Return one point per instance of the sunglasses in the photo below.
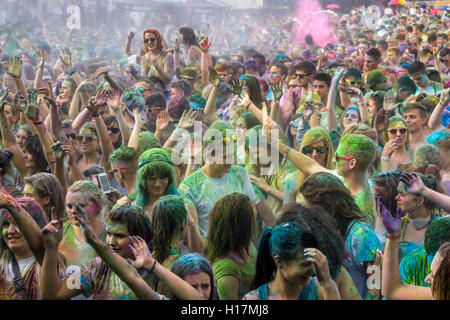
(394, 131)
(111, 172)
(354, 82)
(337, 157)
(141, 90)
(114, 130)
(293, 124)
(151, 40)
(301, 75)
(310, 150)
(88, 139)
(443, 60)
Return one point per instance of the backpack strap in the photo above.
(19, 284)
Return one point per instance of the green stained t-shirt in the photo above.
(244, 272)
(415, 267)
(366, 202)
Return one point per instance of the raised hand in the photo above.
(101, 71)
(391, 222)
(413, 183)
(131, 35)
(15, 67)
(66, 57)
(176, 44)
(137, 117)
(48, 95)
(69, 152)
(3, 96)
(143, 257)
(52, 233)
(277, 90)
(162, 121)
(57, 151)
(214, 78)
(7, 200)
(80, 215)
(205, 45)
(320, 262)
(389, 101)
(113, 100)
(259, 182)
(389, 148)
(32, 111)
(39, 54)
(93, 107)
(236, 87)
(187, 119)
(445, 97)
(101, 97)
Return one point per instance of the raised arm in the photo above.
(331, 115)
(113, 101)
(277, 90)
(392, 287)
(15, 71)
(134, 138)
(205, 61)
(28, 227)
(414, 185)
(80, 120)
(40, 70)
(127, 48)
(210, 108)
(106, 145)
(434, 123)
(8, 137)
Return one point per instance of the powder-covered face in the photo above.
(319, 152)
(350, 117)
(30, 192)
(298, 270)
(342, 165)
(66, 89)
(201, 282)
(117, 238)
(8, 111)
(90, 207)
(150, 41)
(89, 141)
(157, 186)
(406, 201)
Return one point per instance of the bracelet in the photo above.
(37, 123)
(385, 158)
(37, 120)
(151, 270)
(287, 153)
(390, 237)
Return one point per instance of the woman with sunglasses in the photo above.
(156, 62)
(317, 145)
(396, 149)
(112, 125)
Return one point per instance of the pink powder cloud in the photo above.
(317, 25)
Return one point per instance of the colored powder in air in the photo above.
(312, 22)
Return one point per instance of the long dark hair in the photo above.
(189, 36)
(324, 228)
(34, 147)
(327, 191)
(285, 241)
(231, 223)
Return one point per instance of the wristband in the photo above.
(37, 120)
(391, 237)
(385, 158)
(151, 270)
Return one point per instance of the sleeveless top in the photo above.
(309, 292)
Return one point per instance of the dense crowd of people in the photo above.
(229, 163)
